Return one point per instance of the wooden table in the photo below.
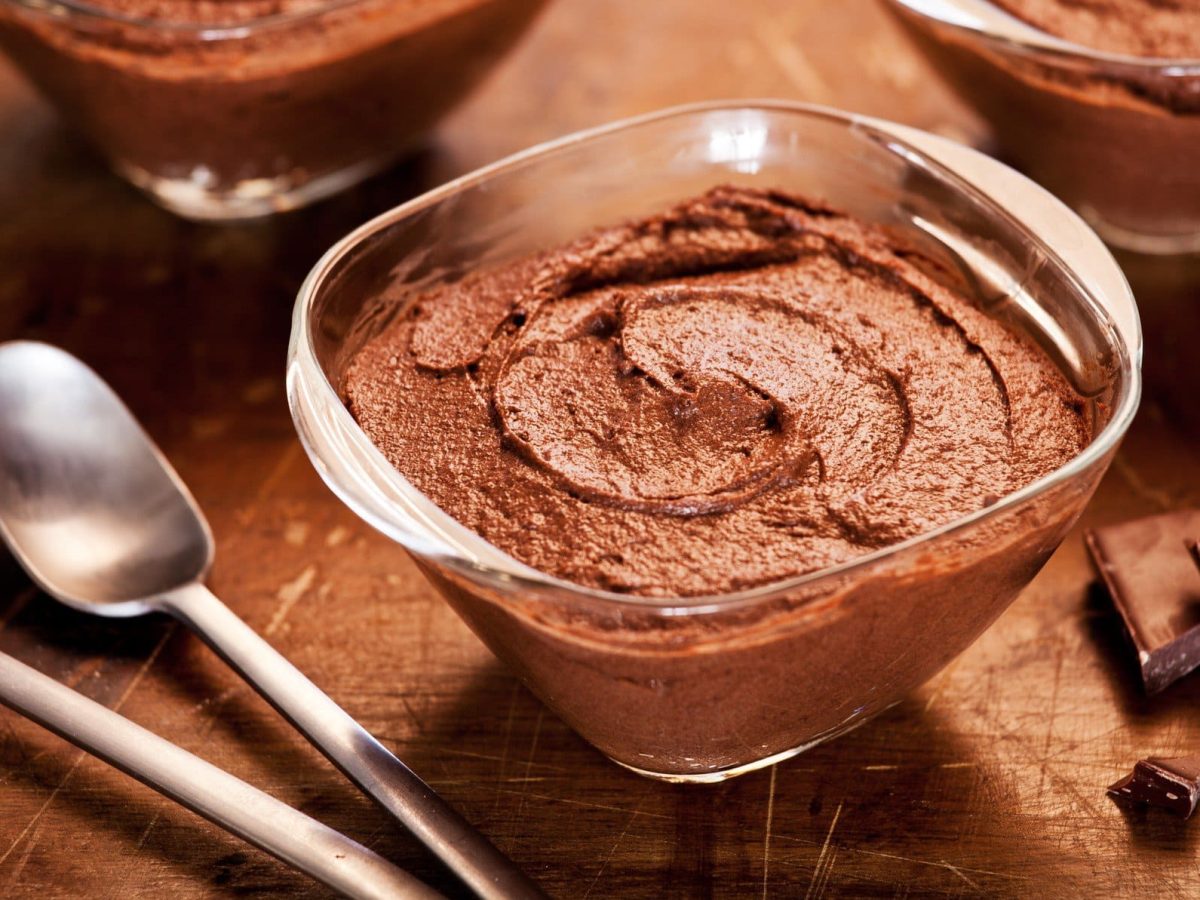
(989, 780)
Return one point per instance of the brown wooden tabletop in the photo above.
(988, 781)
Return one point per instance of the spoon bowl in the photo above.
(89, 506)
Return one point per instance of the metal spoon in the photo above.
(326, 855)
(101, 521)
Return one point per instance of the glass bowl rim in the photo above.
(303, 369)
(1041, 43)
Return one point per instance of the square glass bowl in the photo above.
(235, 121)
(702, 688)
(1114, 136)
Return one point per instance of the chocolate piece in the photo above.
(745, 388)
(1170, 783)
(1154, 583)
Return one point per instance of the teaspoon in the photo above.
(102, 522)
(332, 858)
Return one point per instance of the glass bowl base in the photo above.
(198, 198)
(719, 775)
(1183, 243)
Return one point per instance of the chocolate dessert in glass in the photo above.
(724, 427)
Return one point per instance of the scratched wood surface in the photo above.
(988, 781)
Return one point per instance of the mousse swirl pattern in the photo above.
(745, 388)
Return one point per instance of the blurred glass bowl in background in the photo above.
(1114, 136)
(233, 119)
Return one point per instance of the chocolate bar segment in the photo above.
(1154, 580)
(1173, 784)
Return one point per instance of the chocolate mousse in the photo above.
(1137, 28)
(747, 387)
(223, 108)
(1154, 28)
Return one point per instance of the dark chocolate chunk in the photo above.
(1170, 783)
(1154, 581)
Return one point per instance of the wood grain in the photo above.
(988, 781)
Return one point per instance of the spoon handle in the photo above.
(275, 827)
(364, 760)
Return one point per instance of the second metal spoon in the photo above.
(102, 522)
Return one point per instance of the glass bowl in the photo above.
(1114, 136)
(702, 688)
(231, 121)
